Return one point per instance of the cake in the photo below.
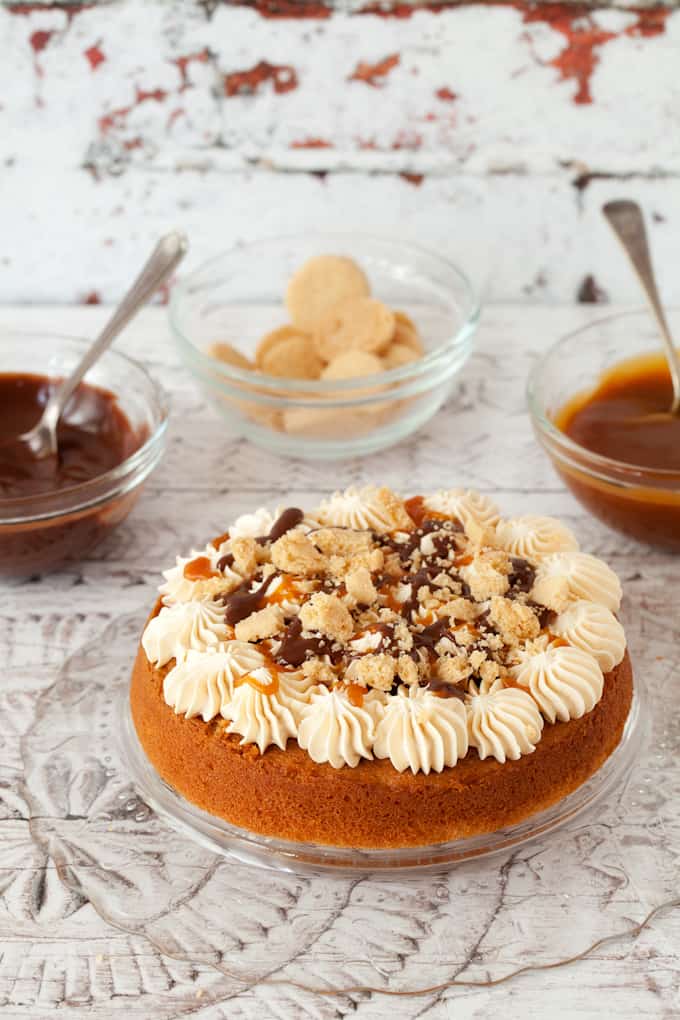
(383, 672)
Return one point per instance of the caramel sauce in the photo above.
(418, 512)
(624, 417)
(263, 687)
(355, 695)
(286, 590)
(463, 561)
(199, 569)
(217, 542)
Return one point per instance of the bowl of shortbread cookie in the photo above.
(325, 346)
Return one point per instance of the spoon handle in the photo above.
(626, 219)
(167, 254)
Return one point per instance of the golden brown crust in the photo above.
(288, 795)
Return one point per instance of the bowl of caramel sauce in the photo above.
(599, 401)
(53, 511)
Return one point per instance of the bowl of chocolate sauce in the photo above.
(111, 436)
(599, 401)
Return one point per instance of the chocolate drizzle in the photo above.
(287, 520)
(294, 649)
(429, 636)
(225, 561)
(522, 575)
(241, 602)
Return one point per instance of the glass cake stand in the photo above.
(310, 858)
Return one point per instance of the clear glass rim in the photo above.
(308, 858)
(112, 483)
(595, 464)
(432, 361)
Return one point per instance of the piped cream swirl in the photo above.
(202, 683)
(334, 730)
(362, 509)
(467, 506)
(421, 732)
(533, 537)
(564, 682)
(593, 628)
(182, 627)
(264, 719)
(503, 722)
(565, 576)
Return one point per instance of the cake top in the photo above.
(373, 626)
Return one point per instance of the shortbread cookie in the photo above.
(290, 353)
(397, 355)
(320, 283)
(363, 324)
(351, 364)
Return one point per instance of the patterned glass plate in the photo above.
(311, 858)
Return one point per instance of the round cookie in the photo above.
(363, 324)
(289, 353)
(406, 332)
(351, 364)
(320, 283)
(398, 354)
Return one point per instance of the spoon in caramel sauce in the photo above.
(626, 219)
(40, 442)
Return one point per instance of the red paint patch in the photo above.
(390, 9)
(70, 10)
(246, 83)
(415, 179)
(116, 118)
(92, 298)
(286, 8)
(374, 74)
(584, 39)
(94, 56)
(182, 63)
(446, 95)
(39, 40)
(311, 143)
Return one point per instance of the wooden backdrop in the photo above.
(494, 131)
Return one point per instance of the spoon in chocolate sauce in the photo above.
(40, 442)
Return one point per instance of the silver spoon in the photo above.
(168, 253)
(626, 219)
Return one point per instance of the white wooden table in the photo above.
(105, 910)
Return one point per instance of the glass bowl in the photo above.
(237, 297)
(40, 533)
(641, 502)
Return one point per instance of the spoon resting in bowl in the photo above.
(36, 449)
(626, 219)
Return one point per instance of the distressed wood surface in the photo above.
(105, 910)
(493, 131)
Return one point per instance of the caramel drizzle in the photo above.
(200, 569)
(356, 694)
(268, 687)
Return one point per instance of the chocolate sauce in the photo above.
(429, 636)
(287, 520)
(294, 648)
(447, 690)
(225, 561)
(241, 602)
(522, 575)
(419, 580)
(93, 435)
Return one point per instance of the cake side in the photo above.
(286, 794)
